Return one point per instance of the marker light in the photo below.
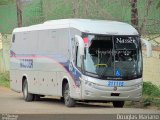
(86, 41)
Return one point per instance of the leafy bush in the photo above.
(147, 101)
(4, 79)
(151, 94)
(150, 89)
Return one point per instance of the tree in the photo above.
(158, 5)
(75, 8)
(148, 6)
(4, 37)
(4, 2)
(19, 13)
(134, 14)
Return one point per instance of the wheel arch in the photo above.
(24, 77)
(64, 82)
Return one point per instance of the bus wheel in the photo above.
(118, 104)
(37, 97)
(62, 99)
(26, 95)
(69, 102)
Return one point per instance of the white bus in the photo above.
(77, 60)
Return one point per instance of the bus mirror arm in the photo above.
(148, 47)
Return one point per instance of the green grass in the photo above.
(151, 89)
(150, 98)
(4, 79)
(151, 95)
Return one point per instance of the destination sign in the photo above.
(122, 40)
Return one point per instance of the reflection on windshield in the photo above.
(107, 57)
(99, 58)
(127, 55)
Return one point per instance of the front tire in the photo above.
(26, 95)
(118, 104)
(37, 97)
(69, 102)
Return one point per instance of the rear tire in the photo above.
(26, 95)
(118, 104)
(69, 102)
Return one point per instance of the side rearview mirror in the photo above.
(80, 44)
(148, 47)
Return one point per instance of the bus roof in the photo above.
(85, 25)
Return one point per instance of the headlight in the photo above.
(90, 84)
(138, 85)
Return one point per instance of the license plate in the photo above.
(115, 83)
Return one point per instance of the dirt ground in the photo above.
(13, 103)
(151, 68)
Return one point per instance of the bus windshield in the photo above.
(109, 57)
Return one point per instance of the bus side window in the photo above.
(13, 38)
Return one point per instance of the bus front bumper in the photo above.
(105, 93)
